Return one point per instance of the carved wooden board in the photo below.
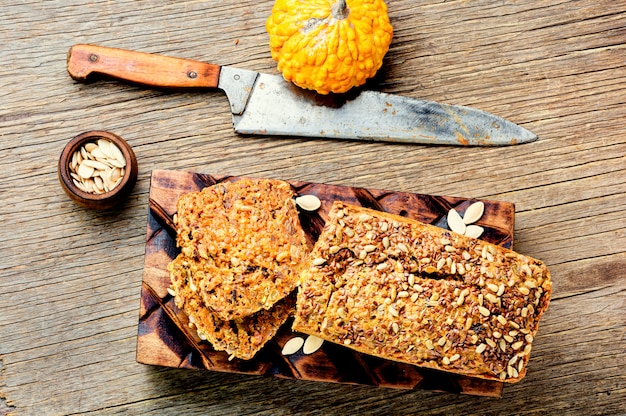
(165, 339)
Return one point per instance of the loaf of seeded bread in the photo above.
(401, 290)
(246, 242)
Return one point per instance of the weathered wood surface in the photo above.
(70, 278)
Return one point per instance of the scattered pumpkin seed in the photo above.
(308, 202)
(474, 212)
(312, 344)
(455, 222)
(465, 225)
(292, 346)
(474, 231)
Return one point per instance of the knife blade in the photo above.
(268, 105)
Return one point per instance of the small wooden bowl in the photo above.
(103, 200)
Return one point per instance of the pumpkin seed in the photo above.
(474, 231)
(90, 147)
(292, 346)
(105, 146)
(95, 164)
(308, 202)
(117, 154)
(116, 163)
(474, 212)
(96, 152)
(99, 183)
(116, 173)
(455, 222)
(312, 344)
(85, 171)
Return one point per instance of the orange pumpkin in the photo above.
(329, 45)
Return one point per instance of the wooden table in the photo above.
(71, 278)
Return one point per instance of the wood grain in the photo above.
(70, 280)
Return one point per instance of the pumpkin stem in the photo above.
(340, 10)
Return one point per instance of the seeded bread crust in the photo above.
(241, 338)
(398, 289)
(248, 243)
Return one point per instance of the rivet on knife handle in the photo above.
(140, 67)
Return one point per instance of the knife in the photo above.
(268, 105)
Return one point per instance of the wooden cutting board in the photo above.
(165, 338)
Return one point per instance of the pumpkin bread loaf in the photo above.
(398, 289)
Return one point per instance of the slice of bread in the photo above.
(241, 338)
(246, 243)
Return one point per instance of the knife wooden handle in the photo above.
(140, 67)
